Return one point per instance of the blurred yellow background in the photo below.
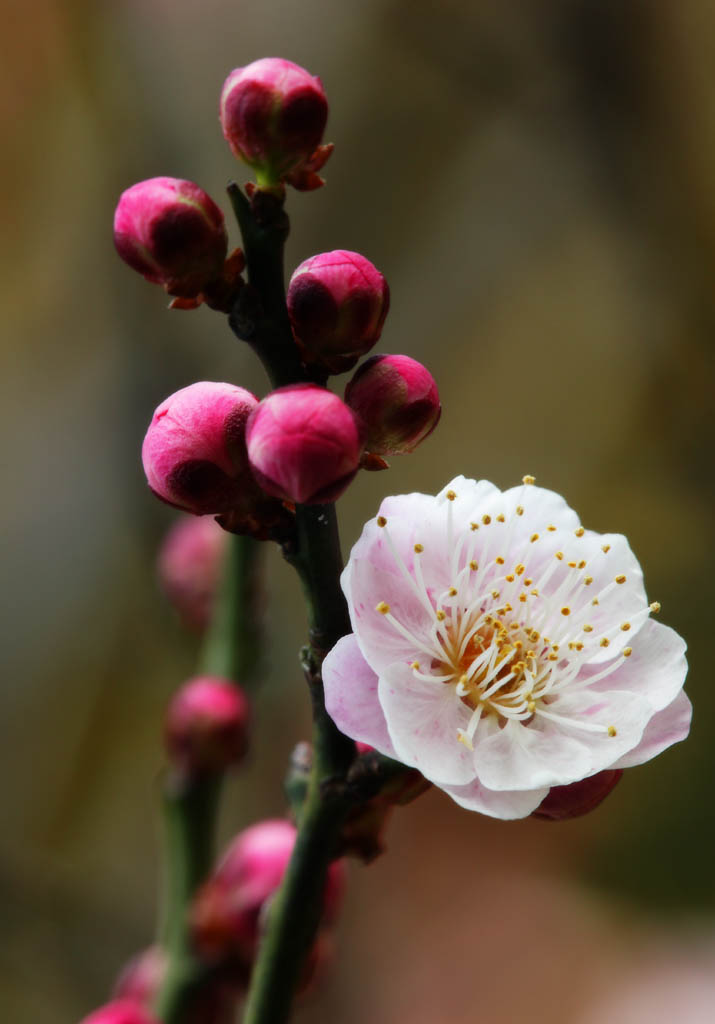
(536, 179)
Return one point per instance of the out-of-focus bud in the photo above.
(304, 444)
(227, 912)
(273, 115)
(207, 725)
(563, 802)
(195, 459)
(120, 1011)
(397, 400)
(141, 979)
(173, 233)
(337, 302)
(189, 567)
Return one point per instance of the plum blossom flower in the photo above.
(502, 649)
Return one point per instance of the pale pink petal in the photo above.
(351, 696)
(671, 725)
(656, 669)
(423, 719)
(506, 805)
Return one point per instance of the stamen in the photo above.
(381, 521)
(655, 607)
(528, 480)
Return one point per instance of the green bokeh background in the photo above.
(537, 181)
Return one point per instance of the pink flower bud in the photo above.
(337, 302)
(397, 401)
(273, 115)
(194, 452)
(120, 1011)
(228, 910)
(189, 568)
(304, 444)
(173, 233)
(207, 725)
(578, 798)
(142, 977)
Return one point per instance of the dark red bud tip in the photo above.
(396, 399)
(337, 302)
(304, 444)
(172, 233)
(273, 114)
(207, 725)
(120, 1011)
(578, 798)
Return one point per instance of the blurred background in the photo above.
(536, 179)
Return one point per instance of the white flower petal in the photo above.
(351, 696)
(423, 719)
(669, 726)
(506, 805)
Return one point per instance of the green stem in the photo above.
(190, 805)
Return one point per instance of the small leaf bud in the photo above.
(207, 725)
(173, 233)
(337, 302)
(397, 401)
(304, 444)
(577, 798)
(189, 568)
(273, 115)
(120, 1011)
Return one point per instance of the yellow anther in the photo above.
(534, 635)
(534, 537)
(612, 730)
(499, 560)
(626, 626)
(578, 645)
(595, 601)
(522, 598)
(419, 548)
(606, 548)
(551, 528)
(473, 566)
(556, 647)
(519, 570)
(383, 608)
(464, 679)
(441, 616)
(500, 518)
(495, 595)
(450, 495)
(415, 665)
(620, 579)
(605, 642)
(381, 521)
(474, 526)
(518, 644)
(520, 510)
(588, 580)
(580, 532)
(588, 629)
(528, 479)
(560, 556)
(531, 706)
(528, 581)
(627, 651)
(510, 578)
(582, 564)
(655, 607)
(453, 591)
(530, 655)
(565, 611)
(535, 593)
(486, 520)
(571, 565)
(463, 739)
(553, 657)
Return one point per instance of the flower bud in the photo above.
(337, 302)
(189, 568)
(304, 444)
(577, 798)
(397, 401)
(140, 979)
(207, 725)
(173, 233)
(120, 1011)
(273, 115)
(227, 914)
(195, 459)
